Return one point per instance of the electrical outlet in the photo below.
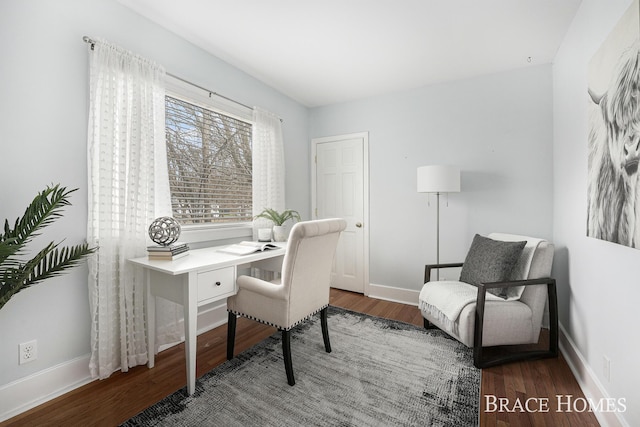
(28, 352)
(606, 368)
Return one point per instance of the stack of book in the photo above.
(168, 253)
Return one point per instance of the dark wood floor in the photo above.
(110, 402)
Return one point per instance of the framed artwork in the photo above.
(613, 200)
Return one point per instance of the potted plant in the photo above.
(16, 273)
(278, 219)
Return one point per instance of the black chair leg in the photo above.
(231, 335)
(325, 330)
(286, 352)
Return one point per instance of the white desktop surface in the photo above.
(203, 276)
(202, 259)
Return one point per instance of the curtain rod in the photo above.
(92, 42)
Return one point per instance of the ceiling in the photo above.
(330, 51)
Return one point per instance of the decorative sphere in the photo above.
(164, 230)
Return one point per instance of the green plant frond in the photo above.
(49, 262)
(7, 250)
(278, 218)
(270, 214)
(16, 275)
(7, 231)
(19, 271)
(43, 210)
(10, 282)
(7, 290)
(291, 214)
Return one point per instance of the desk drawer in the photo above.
(214, 283)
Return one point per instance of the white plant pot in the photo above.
(280, 233)
(264, 234)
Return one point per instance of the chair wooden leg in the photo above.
(286, 352)
(325, 330)
(552, 295)
(427, 324)
(231, 335)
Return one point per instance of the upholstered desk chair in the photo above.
(302, 291)
(506, 309)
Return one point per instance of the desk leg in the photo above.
(151, 322)
(190, 326)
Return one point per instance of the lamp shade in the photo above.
(438, 179)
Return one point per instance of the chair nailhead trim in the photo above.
(280, 328)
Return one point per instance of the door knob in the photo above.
(358, 224)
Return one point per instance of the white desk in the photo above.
(202, 277)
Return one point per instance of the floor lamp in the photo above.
(438, 179)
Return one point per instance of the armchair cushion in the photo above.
(505, 323)
(445, 299)
(490, 260)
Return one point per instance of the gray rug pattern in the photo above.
(380, 373)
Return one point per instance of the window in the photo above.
(210, 164)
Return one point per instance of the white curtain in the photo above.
(128, 188)
(268, 166)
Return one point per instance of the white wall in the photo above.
(497, 128)
(43, 127)
(598, 280)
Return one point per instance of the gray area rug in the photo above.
(380, 373)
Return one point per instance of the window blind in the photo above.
(210, 164)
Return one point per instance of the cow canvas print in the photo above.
(613, 205)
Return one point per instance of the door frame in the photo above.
(365, 190)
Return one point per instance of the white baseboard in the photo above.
(588, 381)
(27, 393)
(388, 293)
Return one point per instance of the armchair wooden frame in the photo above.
(479, 359)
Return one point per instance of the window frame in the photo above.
(179, 89)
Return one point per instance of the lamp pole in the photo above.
(438, 179)
(438, 234)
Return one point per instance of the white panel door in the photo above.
(339, 184)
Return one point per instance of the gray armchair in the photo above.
(302, 291)
(507, 309)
